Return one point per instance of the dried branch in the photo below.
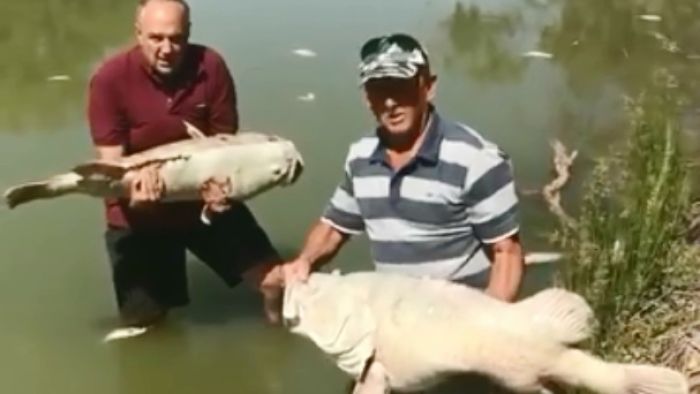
(552, 191)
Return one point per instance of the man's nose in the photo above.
(390, 103)
(166, 47)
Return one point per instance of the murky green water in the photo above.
(55, 292)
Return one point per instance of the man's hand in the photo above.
(322, 243)
(146, 186)
(296, 270)
(215, 194)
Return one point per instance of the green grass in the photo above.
(626, 253)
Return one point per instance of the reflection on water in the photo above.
(601, 51)
(597, 43)
(60, 39)
(481, 43)
(600, 43)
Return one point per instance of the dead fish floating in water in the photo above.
(396, 332)
(58, 78)
(538, 54)
(124, 333)
(308, 97)
(304, 52)
(650, 17)
(248, 163)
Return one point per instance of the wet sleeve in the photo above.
(491, 197)
(343, 211)
(223, 116)
(104, 113)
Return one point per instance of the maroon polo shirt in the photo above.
(130, 106)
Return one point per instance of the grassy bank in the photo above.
(626, 251)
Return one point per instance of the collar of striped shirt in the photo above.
(429, 150)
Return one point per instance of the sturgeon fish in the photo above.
(396, 332)
(248, 163)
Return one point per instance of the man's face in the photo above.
(399, 104)
(162, 31)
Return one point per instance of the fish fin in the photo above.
(581, 369)
(193, 131)
(100, 167)
(564, 315)
(373, 380)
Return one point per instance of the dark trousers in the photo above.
(149, 267)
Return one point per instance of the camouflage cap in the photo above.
(396, 56)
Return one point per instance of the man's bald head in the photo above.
(174, 3)
(162, 31)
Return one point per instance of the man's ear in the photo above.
(365, 98)
(188, 29)
(431, 83)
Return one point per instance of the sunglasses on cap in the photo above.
(374, 46)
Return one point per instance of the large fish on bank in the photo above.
(249, 163)
(391, 331)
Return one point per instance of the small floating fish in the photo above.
(56, 78)
(538, 54)
(124, 333)
(650, 18)
(543, 257)
(307, 97)
(304, 52)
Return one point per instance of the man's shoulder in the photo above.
(459, 136)
(363, 147)
(114, 65)
(210, 58)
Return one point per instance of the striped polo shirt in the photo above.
(433, 216)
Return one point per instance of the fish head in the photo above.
(326, 310)
(284, 163)
(332, 313)
(305, 303)
(259, 165)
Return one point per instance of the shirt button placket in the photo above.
(395, 188)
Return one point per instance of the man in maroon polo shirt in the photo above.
(138, 99)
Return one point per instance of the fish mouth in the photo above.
(297, 168)
(291, 322)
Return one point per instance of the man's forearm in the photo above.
(109, 152)
(322, 243)
(507, 271)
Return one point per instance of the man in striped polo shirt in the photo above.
(434, 197)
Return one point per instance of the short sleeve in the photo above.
(343, 211)
(491, 197)
(104, 114)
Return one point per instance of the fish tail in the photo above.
(580, 369)
(53, 187)
(644, 379)
(559, 313)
